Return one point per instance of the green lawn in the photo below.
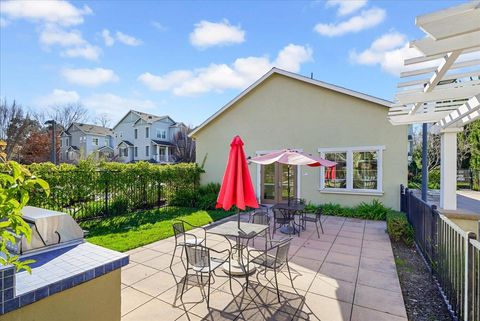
(125, 232)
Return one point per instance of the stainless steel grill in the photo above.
(49, 229)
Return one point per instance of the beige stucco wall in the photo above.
(286, 113)
(95, 300)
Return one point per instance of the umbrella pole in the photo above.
(288, 184)
(238, 217)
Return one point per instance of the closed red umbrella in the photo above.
(237, 188)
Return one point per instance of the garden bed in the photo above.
(131, 230)
(423, 300)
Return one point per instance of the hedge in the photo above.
(374, 210)
(91, 189)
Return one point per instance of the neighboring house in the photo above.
(142, 136)
(286, 110)
(81, 140)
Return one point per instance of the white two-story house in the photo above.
(144, 137)
(81, 140)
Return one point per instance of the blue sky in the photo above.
(188, 59)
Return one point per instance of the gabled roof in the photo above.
(91, 129)
(74, 148)
(126, 142)
(295, 76)
(148, 118)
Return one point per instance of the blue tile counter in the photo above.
(55, 271)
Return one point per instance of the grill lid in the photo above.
(49, 228)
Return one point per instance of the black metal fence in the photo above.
(92, 194)
(451, 253)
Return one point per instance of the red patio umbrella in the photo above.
(237, 188)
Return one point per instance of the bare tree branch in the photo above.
(66, 114)
(103, 120)
(184, 150)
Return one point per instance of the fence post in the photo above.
(468, 296)
(106, 197)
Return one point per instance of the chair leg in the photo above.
(320, 221)
(173, 255)
(290, 275)
(276, 284)
(183, 285)
(316, 226)
(208, 296)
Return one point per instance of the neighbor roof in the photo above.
(292, 75)
(148, 118)
(92, 129)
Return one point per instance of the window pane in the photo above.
(365, 170)
(336, 177)
(269, 182)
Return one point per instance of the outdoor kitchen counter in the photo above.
(55, 271)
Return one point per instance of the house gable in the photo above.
(275, 71)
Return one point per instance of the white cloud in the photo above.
(88, 52)
(59, 12)
(388, 51)
(157, 25)
(58, 97)
(365, 20)
(207, 34)
(346, 7)
(107, 38)
(89, 77)
(127, 40)
(53, 35)
(110, 40)
(218, 77)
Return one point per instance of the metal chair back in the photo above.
(281, 256)
(178, 229)
(198, 256)
(280, 214)
(260, 217)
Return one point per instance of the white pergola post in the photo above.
(448, 168)
(166, 154)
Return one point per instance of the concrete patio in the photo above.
(348, 273)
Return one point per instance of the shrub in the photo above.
(399, 228)
(207, 196)
(368, 211)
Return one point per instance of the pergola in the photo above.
(443, 84)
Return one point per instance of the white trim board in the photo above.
(292, 75)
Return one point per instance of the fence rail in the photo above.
(451, 253)
(92, 194)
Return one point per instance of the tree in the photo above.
(15, 126)
(184, 150)
(67, 114)
(37, 149)
(103, 120)
(474, 141)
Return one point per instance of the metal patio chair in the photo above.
(282, 217)
(261, 217)
(183, 238)
(201, 262)
(317, 219)
(274, 258)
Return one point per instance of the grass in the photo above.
(128, 231)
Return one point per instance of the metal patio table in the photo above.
(293, 209)
(246, 231)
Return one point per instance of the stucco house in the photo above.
(147, 137)
(286, 110)
(81, 140)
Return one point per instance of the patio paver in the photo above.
(348, 274)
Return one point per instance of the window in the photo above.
(336, 177)
(107, 141)
(147, 150)
(135, 133)
(95, 141)
(123, 152)
(358, 169)
(136, 151)
(61, 142)
(147, 132)
(162, 134)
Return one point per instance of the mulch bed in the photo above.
(423, 300)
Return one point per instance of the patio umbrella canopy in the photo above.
(291, 157)
(237, 188)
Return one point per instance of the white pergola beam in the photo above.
(420, 59)
(421, 71)
(406, 119)
(430, 47)
(437, 95)
(423, 81)
(438, 75)
(471, 106)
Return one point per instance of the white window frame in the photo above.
(349, 189)
(95, 139)
(161, 133)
